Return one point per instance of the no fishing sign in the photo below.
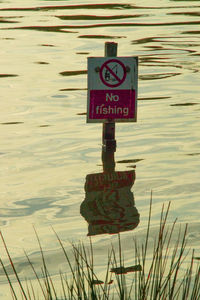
(112, 89)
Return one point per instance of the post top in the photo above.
(110, 49)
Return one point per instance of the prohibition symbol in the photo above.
(113, 73)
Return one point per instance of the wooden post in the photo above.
(108, 160)
(108, 135)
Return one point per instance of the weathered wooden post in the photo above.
(108, 134)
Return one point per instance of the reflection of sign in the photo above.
(113, 73)
(112, 180)
(112, 89)
(109, 205)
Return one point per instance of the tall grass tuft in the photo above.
(158, 272)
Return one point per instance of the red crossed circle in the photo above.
(117, 78)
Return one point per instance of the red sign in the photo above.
(112, 104)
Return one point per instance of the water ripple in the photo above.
(95, 17)
(11, 123)
(30, 206)
(184, 104)
(81, 6)
(157, 76)
(99, 36)
(5, 20)
(8, 75)
(72, 73)
(92, 6)
(63, 27)
(193, 14)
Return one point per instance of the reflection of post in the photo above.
(108, 136)
(109, 205)
(108, 161)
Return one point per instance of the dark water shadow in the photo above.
(95, 17)
(83, 53)
(153, 98)
(162, 41)
(158, 76)
(47, 45)
(7, 20)
(184, 104)
(82, 114)
(41, 63)
(73, 73)
(193, 14)
(191, 32)
(105, 6)
(44, 125)
(80, 6)
(73, 89)
(62, 28)
(11, 123)
(90, 36)
(193, 154)
(43, 28)
(144, 40)
(125, 161)
(8, 39)
(8, 75)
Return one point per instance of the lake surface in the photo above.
(47, 149)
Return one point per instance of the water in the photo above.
(47, 149)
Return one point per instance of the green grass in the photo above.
(158, 275)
